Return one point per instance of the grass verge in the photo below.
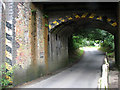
(76, 55)
(109, 53)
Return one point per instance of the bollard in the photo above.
(104, 76)
(103, 81)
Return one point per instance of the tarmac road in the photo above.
(84, 74)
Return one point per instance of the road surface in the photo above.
(84, 74)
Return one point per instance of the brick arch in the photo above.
(93, 16)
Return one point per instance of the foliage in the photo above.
(108, 42)
(3, 74)
(33, 11)
(46, 25)
(80, 52)
(45, 16)
(75, 55)
(92, 37)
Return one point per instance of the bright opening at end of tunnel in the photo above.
(89, 48)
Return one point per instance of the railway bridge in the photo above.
(35, 35)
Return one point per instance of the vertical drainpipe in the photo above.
(46, 43)
(45, 28)
(33, 35)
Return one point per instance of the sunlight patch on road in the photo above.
(89, 48)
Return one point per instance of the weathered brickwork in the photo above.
(40, 38)
(29, 42)
(22, 33)
(22, 41)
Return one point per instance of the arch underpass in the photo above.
(35, 35)
(66, 19)
(62, 29)
(61, 20)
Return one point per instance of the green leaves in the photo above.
(46, 25)
(108, 42)
(45, 16)
(33, 11)
(5, 75)
(91, 37)
(5, 82)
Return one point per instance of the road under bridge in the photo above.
(34, 35)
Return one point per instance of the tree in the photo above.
(88, 37)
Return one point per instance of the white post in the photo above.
(103, 81)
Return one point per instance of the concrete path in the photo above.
(84, 74)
